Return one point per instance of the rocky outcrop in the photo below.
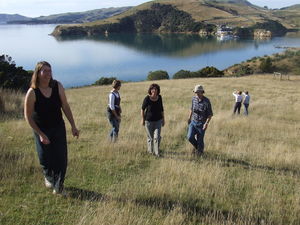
(262, 33)
(69, 31)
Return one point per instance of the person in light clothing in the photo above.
(246, 102)
(238, 101)
(199, 118)
(114, 110)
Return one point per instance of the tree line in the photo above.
(13, 77)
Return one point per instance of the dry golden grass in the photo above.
(249, 173)
(11, 103)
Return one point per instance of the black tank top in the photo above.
(47, 111)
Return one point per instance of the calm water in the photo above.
(129, 57)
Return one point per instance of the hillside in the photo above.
(5, 18)
(248, 175)
(297, 6)
(290, 16)
(204, 16)
(74, 17)
(286, 62)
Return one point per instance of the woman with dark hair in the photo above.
(114, 110)
(43, 104)
(153, 118)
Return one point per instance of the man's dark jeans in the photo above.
(196, 135)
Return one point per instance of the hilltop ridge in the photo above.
(190, 15)
(65, 18)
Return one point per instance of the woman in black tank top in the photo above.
(43, 104)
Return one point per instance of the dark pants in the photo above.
(246, 108)
(196, 135)
(237, 107)
(53, 157)
(115, 126)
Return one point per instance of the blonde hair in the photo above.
(116, 83)
(35, 78)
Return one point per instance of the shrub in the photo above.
(211, 71)
(182, 74)
(196, 74)
(105, 81)
(12, 77)
(158, 75)
(266, 65)
(244, 70)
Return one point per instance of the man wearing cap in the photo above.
(200, 115)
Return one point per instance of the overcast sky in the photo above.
(35, 8)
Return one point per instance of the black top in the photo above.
(153, 109)
(117, 102)
(47, 111)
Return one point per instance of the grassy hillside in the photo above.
(184, 16)
(286, 62)
(233, 12)
(249, 173)
(291, 16)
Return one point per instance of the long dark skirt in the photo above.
(54, 156)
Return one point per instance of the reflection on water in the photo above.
(175, 45)
(80, 61)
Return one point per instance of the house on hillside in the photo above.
(224, 30)
(225, 33)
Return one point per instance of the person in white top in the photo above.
(114, 110)
(238, 101)
(246, 102)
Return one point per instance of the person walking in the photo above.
(114, 110)
(44, 102)
(246, 102)
(199, 118)
(238, 101)
(153, 119)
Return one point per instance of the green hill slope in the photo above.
(290, 16)
(189, 15)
